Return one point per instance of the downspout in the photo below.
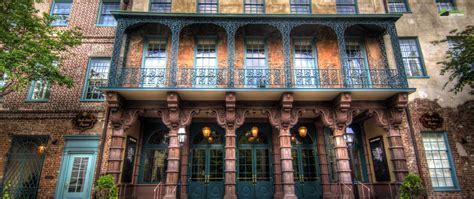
(413, 141)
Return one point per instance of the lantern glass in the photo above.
(206, 132)
(349, 136)
(303, 131)
(254, 131)
(181, 135)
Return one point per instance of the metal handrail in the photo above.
(157, 187)
(366, 188)
(340, 188)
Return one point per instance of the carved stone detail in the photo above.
(380, 117)
(326, 115)
(342, 113)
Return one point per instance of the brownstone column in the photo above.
(173, 165)
(397, 153)
(286, 164)
(115, 153)
(277, 164)
(230, 163)
(323, 163)
(397, 105)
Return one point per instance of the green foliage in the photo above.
(459, 60)
(412, 187)
(6, 192)
(30, 48)
(106, 187)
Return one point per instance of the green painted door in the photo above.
(305, 166)
(78, 176)
(206, 168)
(206, 178)
(254, 168)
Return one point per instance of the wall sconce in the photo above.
(41, 149)
(303, 131)
(206, 132)
(254, 131)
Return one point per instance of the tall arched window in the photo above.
(154, 157)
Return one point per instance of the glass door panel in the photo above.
(77, 181)
(198, 170)
(263, 181)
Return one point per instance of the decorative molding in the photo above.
(396, 108)
(326, 115)
(342, 111)
(380, 117)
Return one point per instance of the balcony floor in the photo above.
(258, 94)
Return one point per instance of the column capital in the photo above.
(286, 116)
(396, 108)
(342, 110)
(174, 116)
(230, 117)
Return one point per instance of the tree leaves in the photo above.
(30, 48)
(458, 62)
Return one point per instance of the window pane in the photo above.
(207, 6)
(437, 156)
(40, 90)
(154, 169)
(346, 6)
(411, 57)
(445, 5)
(61, 10)
(160, 5)
(106, 17)
(330, 155)
(300, 6)
(78, 174)
(254, 6)
(98, 75)
(397, 6)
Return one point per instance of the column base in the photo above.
(170, 196)
(278, 195)
(230, 196)
(290, 196)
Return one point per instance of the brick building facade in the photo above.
(329, 67)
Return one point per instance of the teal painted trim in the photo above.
(245, 51)
(391, 16)
(86, 80)
(314, 53)
(31, 91)
(51, 10)
(361, 147)
(421, 59)
(310, 7)
(196, 41)
(99, 13)
(409, 90)
(264, 8)
(145, 50)
(407, 6)
(362, 43)
(456, 187)
(81, 137)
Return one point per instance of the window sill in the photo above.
(36, 101)
(105, 25)
(418, 77)
(90, 100)
(64, 25)
(446, 189)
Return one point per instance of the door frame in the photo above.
(77, 144)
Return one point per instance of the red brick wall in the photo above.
(458, 124)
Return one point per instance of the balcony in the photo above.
(251, 81)
(347, 54)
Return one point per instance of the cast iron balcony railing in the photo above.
(220, 78)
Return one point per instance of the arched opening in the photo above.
(259, 61)
(366, 60)
(315, 56)
(154, 156)
(254, 161)
(202, 56)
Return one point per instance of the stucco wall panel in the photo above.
(324, 6)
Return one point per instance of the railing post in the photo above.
(340, 29)
(392, 31)
(285, 30)
(114, 62)
(231, 29)
(176, 28)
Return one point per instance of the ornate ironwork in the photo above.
(284, 24)
(24, 165)
(218, 78)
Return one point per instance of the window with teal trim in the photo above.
(105, 15)
(97, 76)
(160, 5)
(256, 69)
(39, 90)
(154, 63)
(208, 6)
(397, 6)
(61, 10)
(205, 68)
(154, 157)
(412, 57)
(306, 74)
(357, 73)
(330, 154)
(254, 6)
(346, 6)
(300, 6)
(440, 164)
(445, 5)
